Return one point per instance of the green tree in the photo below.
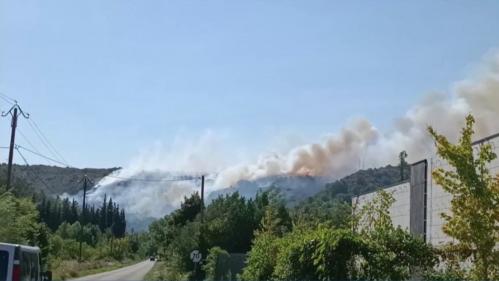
(473, 220)
(189, 209)
(18, 218)
(229, 222)
(261, 259)
(185, 240)
(390, 253)
(276, 219)
(217, 266)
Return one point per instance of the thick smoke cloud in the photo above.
(358, 144)
(361, 145)
(338, 155)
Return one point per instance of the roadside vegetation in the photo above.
(58, 225)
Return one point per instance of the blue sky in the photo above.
(105, 78)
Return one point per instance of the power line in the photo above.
(32, 172)
(7, 99)
(179, 179)
(28, 141)
(44, 140)
(43, 156)
(174, 179)
(50, 144)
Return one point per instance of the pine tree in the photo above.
(74, 212)
(109, 212)
(103, 213)
(66, 209)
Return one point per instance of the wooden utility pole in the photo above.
(198, 273)
(14, 111)
(202, 192)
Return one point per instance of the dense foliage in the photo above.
(18, 218)
(217, 266)
(58, 226)
(365, 245)
(229, 222)
(370, 251)
(391, 253)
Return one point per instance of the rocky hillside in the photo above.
(50, 180)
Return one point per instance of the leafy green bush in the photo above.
(261, 259)
(392, 253)
(295, 257)
(18, 218)
(217, 266)
(335, 253)
(319, 254)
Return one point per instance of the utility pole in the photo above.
(82, 219)
(202, 197)
(13, 111)
(201, 232)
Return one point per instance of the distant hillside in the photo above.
(298, 190)
(293, 189)
(360, 182)
(51, 180)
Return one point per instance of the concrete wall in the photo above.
(400, 211)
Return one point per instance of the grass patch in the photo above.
(158, 272)
(69, 269)
(161, 271)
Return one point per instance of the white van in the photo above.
(21, 263)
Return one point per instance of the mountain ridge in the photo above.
(51, 180)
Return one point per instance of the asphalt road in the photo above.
(135, 272)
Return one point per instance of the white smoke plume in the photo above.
(150, 193)
(358, 144)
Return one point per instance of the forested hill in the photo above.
(360, 182)
(51, 180)
(363, 181)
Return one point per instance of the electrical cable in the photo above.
(42, 140)
(47, 140)
(27, 140)
(43, 156)
(8, 99)
(154, 180)
(176, 179)
(37, 176)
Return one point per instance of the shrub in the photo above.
(321, 254)
(217, 266)
(261, 259)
